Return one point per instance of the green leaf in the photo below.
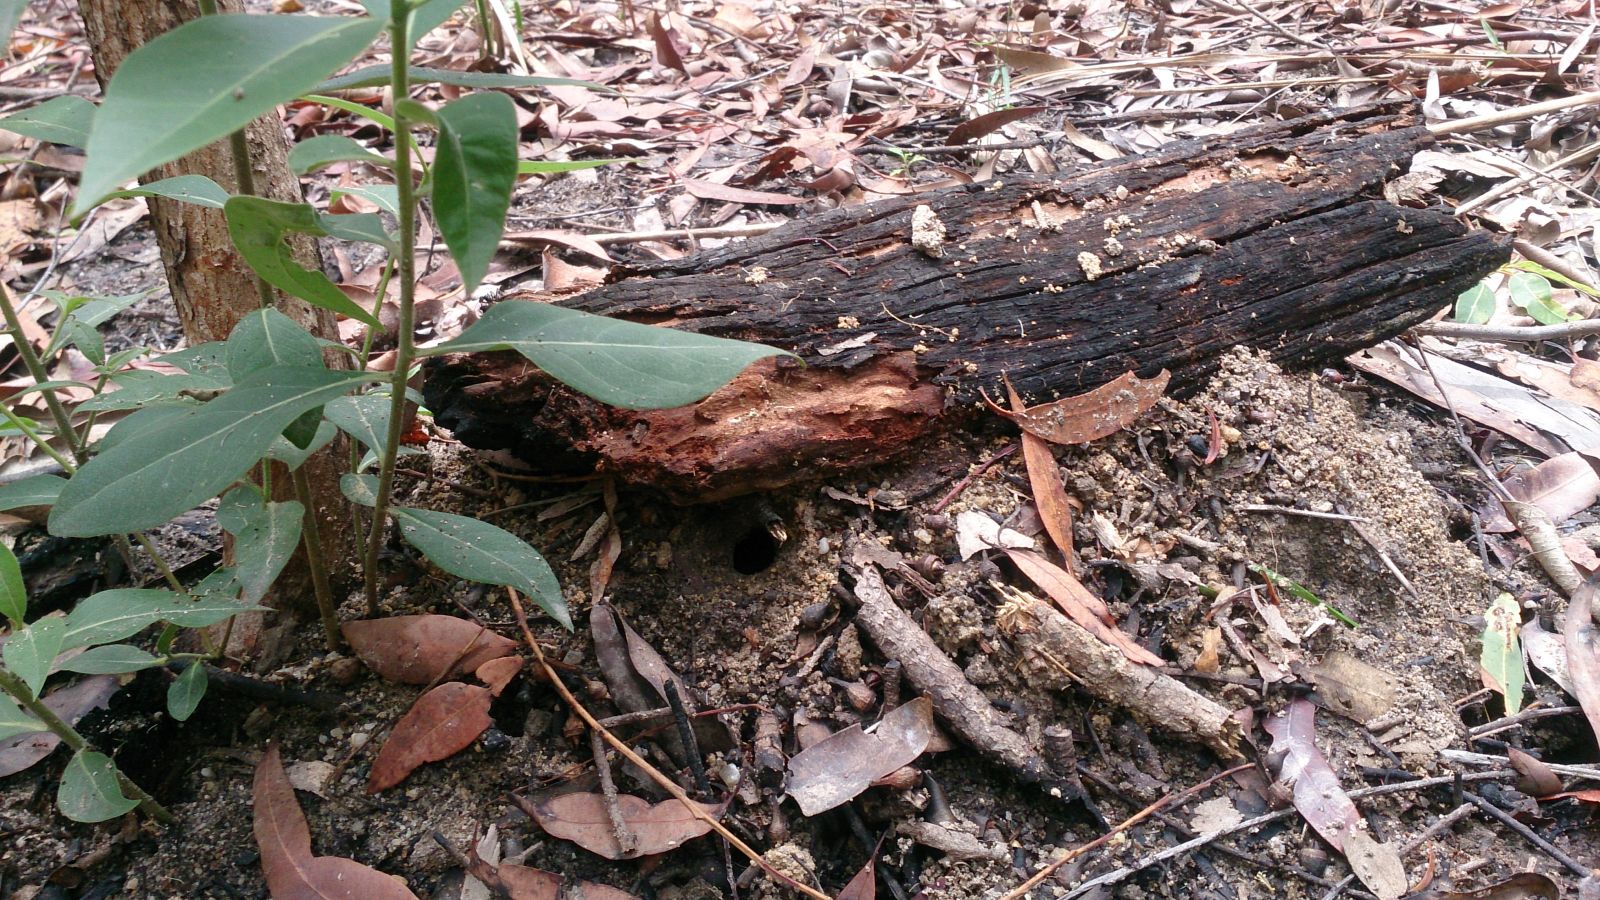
(204, 80)
(417, 112)
(123, 612)
(359, 489)
(1502, 650)
(112, 659)
(185, 692)
(621, 363)
(138, 388)
(13, 721)
(1528, 265)
(1300, 592)
(355, 109)
(208, 359)
(89, 791)
(263, 546)
(258, 228)
(294, 457)
(364, 227)
(196, 189)
(377, 76)
(474, 170)
(267, 338)
(13, 593)
(143, 480)
(325, 149)
(61, 120)
(1475, 305)
(10, 15)
(87, 313)
(385, 196)
(39, 490)
(364, 417)
(1532, 293)
(28, 653)
(552, 167)
(478, 551)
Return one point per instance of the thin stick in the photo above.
(1513, 721)
(1528, 333)
(982, 467)
(1446, 821)
(1291, 511)
(666, 783)
(627, 841)
(311, 539)
(1516, 114)
(1529, 835)
(1049, 868)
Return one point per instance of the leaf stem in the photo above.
(310, 536)
(35, 366)
(399, 41)
(15, 686)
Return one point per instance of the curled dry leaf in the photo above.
(1088, 417)
(976, 532)
(1044, 476)
(1376, 864)
(1301, 766)
(1523, 886)
(1583, 653)
(840, 767)
(1537, 779)
(442, 723)
(1548, 653)
(71, 703)
(528, 883)
(421, 649)
(582, 819)
(1080, 604)
(293, 872)
(978, 126)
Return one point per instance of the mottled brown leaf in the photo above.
(292, 871)
(421, 649)
(1561, 486)
(841, 766)
(710, 190)
(1537, 779)
(498, 672)
(1376, 864)
(1583, 653)
(581, 818)
(1044, 476)
(442, 723)
(1522, 886)
(1088, 417)
(1317, 793)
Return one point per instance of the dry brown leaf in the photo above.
(1548, 652)
(284, 838)
(498, 672)
(668, 52)
(1032, 62)
(442, 723)
(1561, 486)
(1090, 416)
(1352, 688)
(421, 649)
(1537, 780)
(1522, 886)
(582, 819)
(1044, 476)
(1318, 795)
(710, 190)
(1376, 864)
(1209, 660)
(570, 240)
(1080, 604)
(838, 768)
(978, 126)
(1583, 653)
(71, 703)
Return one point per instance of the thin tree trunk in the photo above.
(211, 284)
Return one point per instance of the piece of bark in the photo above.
(957, 702)
(1269, 237)
(1048, 640)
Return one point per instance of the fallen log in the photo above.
(902, 310)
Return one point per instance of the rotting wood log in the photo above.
(1274, 237)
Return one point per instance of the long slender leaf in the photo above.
(123, 612)
(474, 170)
(10, 15)
(621, 363)
(146, 479)
(325, 149)
(265, 544)
(377, 76)
(476, 550)
(112, 659)
(355, 109)
(60, 120)
(196, 189)
(234, 68)
(258, 228)
(553, 167)
(186, 691)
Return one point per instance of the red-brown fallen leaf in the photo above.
(842, 765)
(709, 190)
(1317, 793)
(1044, 476)
(1537, 779)
(497, 673)
(978, 126)
(284, 838)
(667, 51)
(1522, 886)
(1583, 653)
(582, 819)
(1592, 795)
(528, 883)
(420, 649)
(571, 240)
(442, 723)
(1079, 604)
(1088, 417)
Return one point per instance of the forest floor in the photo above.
(1349, 487)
